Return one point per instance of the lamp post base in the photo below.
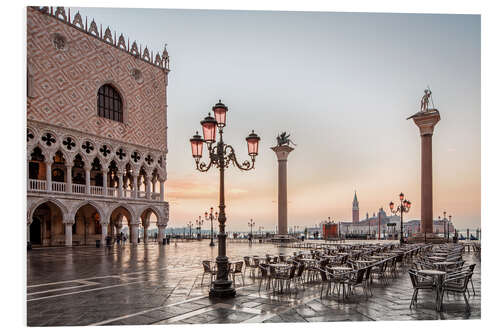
(222, 289)
(212, 243)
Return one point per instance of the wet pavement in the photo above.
(155, 284)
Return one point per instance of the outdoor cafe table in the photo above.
(340, 268)
(437, 258)
(438, 277)
(443, 265)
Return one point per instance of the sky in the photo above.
(342, 84)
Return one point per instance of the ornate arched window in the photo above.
(109, 103)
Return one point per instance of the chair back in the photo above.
(263, 270)
(238, 267)
(206, 266)
(292, 271)
(359, 275)
(300, 270)
(256, 262)
(247, 261)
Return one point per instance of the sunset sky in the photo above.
(343, 84)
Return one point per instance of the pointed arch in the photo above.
(40, 202)
(92, 203)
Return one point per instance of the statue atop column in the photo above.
(284, 139)
(424, 102)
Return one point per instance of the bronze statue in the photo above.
(424, 102)
(284, 139)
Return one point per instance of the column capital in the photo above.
(282, 152)
(66, 222)
(426, 121)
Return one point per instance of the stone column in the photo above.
(104, 233)
(87, 179)
(147, 180)
(48, 175)
(105, 180)
(282, 155)
(135, 174)
(68, 233)
(28, 236)
(161, 232)
(162, 190)
(120, 184)
(69, 180)
(145, 226)
(134, 232)
(426, 122)
(153, 184)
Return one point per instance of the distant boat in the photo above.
(461, 237)
(472, 237)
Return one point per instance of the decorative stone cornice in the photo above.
(282, 152)
(145, 55)
(426, 121)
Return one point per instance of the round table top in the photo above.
(444, 263)
(431, 272)
(308, 259)
(279, 265)
(365, 261)
(434, 257)
(340, 268)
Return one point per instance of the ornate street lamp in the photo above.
(221, 156)
(190, 224)
(251, 224)
(199, 223)
(211, 217)
(404, 207)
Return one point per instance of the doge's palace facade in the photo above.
(96, 131)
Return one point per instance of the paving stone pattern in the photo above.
(155, 284)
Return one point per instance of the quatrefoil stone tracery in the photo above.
(87, 146)
(30, 136)
(120, 153)
(105, 150)
(48, 139)
(135, 156)
(69, 143)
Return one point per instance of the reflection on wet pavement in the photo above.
(155, 284)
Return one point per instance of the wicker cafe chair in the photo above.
(237, 269)
(458, 284)
(356, 279)
(207, 269)
(298, 277)
(264, 276)
(248, 265)
(419, 282)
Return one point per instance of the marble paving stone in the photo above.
(154, 284)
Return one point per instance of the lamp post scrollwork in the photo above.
(210, 217)
(404, 207)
